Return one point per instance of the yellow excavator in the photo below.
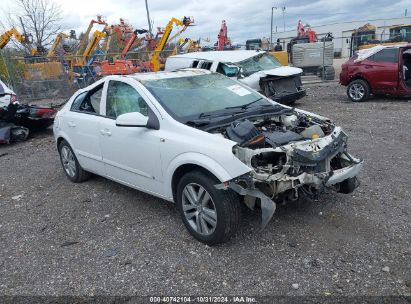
(193, 46)
(85, 38)
(155, 58)
(6, 37)
(56, 43)
(81, 65)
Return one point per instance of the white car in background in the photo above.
(204, 141)
(256, 69)
(7, 96)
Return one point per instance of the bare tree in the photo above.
(40, 19)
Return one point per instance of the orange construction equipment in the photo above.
(124, 66)
(305, 31)
(223, 41)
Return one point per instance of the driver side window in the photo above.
(123, 98)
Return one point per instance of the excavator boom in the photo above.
(84, 39)
(56, 43)
(155, 58)
(6, 37)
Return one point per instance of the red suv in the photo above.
(384, 70)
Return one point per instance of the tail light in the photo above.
(13, 98)
(42, 112)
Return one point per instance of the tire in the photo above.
(211, 219)
(70, 164)
(348, 185)
(329, 73)
(358, 90)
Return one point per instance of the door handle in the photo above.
(105, 132)
(71, 124)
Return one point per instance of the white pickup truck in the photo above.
(256, 69)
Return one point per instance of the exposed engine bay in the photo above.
(293, 156)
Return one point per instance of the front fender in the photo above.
(211, 165)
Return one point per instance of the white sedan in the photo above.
(204, 141)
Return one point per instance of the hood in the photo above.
(4, 89)
(283, 71)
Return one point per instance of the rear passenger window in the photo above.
(206, 65)
(88, 102)
(386, 55)
(75, 106)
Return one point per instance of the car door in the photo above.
(131, 154)
(381, 70)
(81, 124)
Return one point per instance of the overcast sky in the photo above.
(245, 19)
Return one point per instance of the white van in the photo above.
(257, 69)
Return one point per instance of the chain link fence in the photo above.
(57, 78)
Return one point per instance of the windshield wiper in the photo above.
(247, 105)
(204, 115)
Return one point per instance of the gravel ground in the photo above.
(100, 238)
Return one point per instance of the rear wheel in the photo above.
(212, 216)
(358, 90)
(70, 164)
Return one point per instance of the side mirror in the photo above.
(133, 119)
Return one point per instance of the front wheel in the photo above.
(70, 164)
(212, 216)
(358, 90)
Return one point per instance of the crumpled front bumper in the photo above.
(315, 156)
(345, 173)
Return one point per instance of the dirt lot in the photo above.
(100, 238)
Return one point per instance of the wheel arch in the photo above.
(360, 77)
(192, 161)
(181, 171)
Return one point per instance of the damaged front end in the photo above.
(292, 157)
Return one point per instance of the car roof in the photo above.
(365, 53)
(223, 56)
(141, 77)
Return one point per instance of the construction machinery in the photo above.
(401, 33)
(6, 37)
(193, 46)
(155, 57)
(313, 55)
(365, 37)
(124, 66)
(223, 42)
(81, 67)
(85, 37)
(59, 38)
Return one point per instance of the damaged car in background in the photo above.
(256, 69)
(18, 120)
(204, 141)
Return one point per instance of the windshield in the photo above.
(258, 63)
(191, 97)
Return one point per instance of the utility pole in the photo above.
(283, 9)
(271, 39)
(148, 20)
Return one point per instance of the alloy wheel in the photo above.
(199, 209)
(357, 91)
(68, 160)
